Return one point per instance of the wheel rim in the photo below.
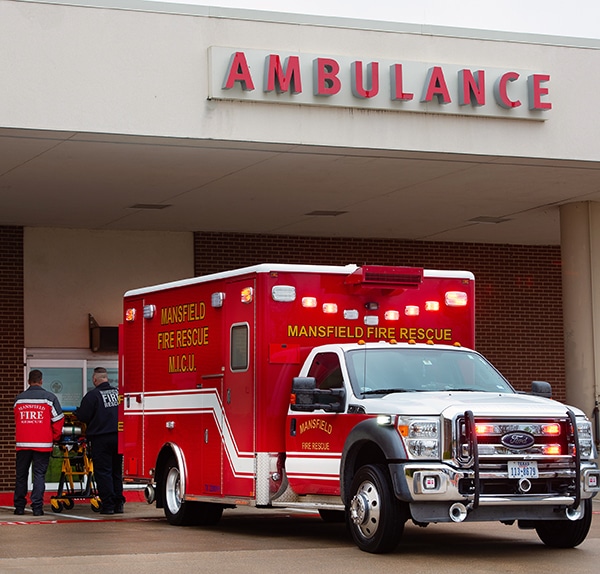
(172, 491)
(365, 509)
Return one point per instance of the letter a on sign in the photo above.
(238, 71)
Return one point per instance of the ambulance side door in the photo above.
(238, 389)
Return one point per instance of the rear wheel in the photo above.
(375, 516)
(180, 512)
(566, 533)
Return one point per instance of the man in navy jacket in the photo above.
(99, 410)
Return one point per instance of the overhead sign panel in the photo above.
(394, 85)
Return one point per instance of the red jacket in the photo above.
(38, 419)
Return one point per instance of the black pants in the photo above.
(39, 463)
(108, 469)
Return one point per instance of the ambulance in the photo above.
(351, 391)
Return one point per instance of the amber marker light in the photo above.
(130, 315)
(247, 295)
(552, 449)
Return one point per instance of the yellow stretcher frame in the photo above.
(76, 481)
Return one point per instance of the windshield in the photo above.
(384, 371)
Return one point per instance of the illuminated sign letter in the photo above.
(501, 93)
(358, 88)
(471, 86)
(398, 92)
(325, 80)
(536, 91)
(435, 85)
(238, 71)
(282, 79)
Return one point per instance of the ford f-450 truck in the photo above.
(353, 391)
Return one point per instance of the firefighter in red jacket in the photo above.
(38, 424)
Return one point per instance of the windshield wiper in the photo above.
(388, 391)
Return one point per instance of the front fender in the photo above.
(368, 443)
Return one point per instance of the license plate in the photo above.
(522, 469)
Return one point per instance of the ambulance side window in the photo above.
(239, 354)
(327, 371)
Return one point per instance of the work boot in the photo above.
(19, 511)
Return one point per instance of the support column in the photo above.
(580, 249)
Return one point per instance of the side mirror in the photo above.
(303, 393)
(541, 389)
(306, 396)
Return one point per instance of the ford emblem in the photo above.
(517, 440)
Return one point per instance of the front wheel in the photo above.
(566, 533)
(375, 516)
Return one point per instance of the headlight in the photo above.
(586, 442)
(421, 436)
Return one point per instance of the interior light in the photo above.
(392, 315)
(247, 295)
(432, 305)
(310, 302)
(330, 308)
(130, 315)
(411, 310)
(456, 299)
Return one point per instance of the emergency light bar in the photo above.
(380, 277)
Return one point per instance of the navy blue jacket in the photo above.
(99, 409)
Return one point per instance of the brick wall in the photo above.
(518, 288)
(11, 345)
(519, 305)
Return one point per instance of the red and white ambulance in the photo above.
(350, 390)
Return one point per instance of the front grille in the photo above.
(556, 472)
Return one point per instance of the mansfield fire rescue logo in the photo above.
(188, 338)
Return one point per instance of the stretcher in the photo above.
(76, 481)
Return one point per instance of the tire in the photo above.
(185, 513)
(566, 533)
(332, 516)
(375, 516)
(57, 506)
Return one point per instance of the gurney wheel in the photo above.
(57, 506)
(68, 503)
(95, 504)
